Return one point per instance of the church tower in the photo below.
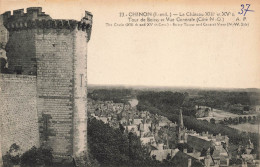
(181, 130)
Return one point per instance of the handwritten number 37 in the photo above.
(243, 10)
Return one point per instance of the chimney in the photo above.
(189, 162)
(160, 146)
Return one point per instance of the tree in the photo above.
(240, 120)
(110, 147)
(249, 119)
(31, 158)
(230, 120)
(221, 122)
(12, 157)
(213, 121)
(136, 150)
(37, 157)
(121, 127)
(244, 119)
(235, 121)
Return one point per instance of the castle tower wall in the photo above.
(55, 51)
(20, 50)
(80, 93)
(62, 89)
(55, 87)
(18, 116)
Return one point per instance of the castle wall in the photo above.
(54, 53)
(18, 116)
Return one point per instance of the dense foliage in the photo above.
(221, 97)
(115, 95)
(111, 147)
(37, 157)
(168, 101)
(230, 101)
(34, 157)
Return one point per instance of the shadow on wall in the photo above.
(3, 66)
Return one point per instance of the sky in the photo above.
(221, 57)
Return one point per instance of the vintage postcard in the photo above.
(131, 83)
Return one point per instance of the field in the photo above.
(246, 127)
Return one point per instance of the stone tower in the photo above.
(181, 130)
(55, 52)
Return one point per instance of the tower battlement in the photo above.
(20, 12)
(59, 24)
(31, 14)
(36, 19)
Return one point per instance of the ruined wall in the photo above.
(18, 116)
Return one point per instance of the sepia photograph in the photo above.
(129, 83)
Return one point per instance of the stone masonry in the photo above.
(18, 114)
(53, 54)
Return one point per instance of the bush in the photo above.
(12, 157)
(37, 157)
(213, 121)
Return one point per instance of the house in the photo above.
(185, 160)
(212, 149)
(146, 140)
(160, 154)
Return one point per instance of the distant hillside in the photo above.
(193, 91)
(115, 95)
